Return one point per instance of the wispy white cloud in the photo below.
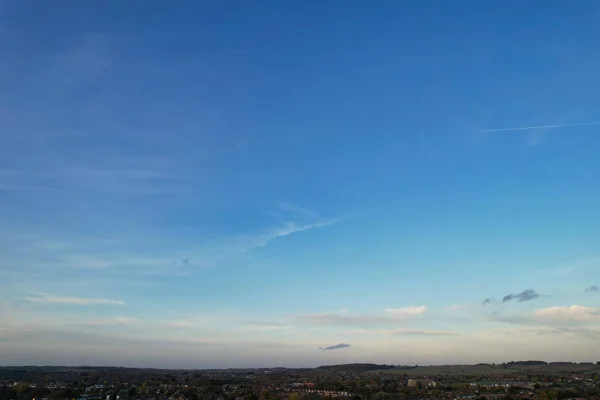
(565, 314)
(67, 347)
(269, 328)
(80, 301)
(213, 334)
(118, 260)
(537, 333)
(406, 312)
(418, 332)
(555, 316)
(191, 322)
(345, 318)
(338, 319)
(528, 128)
(288, 228)
(138, 176)
(112, 321)
(536, 134)
(131, 253)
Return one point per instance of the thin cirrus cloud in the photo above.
(418, 332)
(79, 301)
(344, 318)
(535, 127)
(112, 321)
(333, 319)
(537, 133)
(139, 176)
(574, 313)
(243, 244)
(288, 228)
(269, 328)
(406, 311)
(555, 316)
(87, 254)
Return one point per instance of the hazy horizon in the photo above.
(274, 367)
(213, 184)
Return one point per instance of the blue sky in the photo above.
(218, 183)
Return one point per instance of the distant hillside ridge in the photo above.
(358, 367)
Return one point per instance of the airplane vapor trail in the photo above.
(528, 128)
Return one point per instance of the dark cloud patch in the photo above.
(335, 347)
(489, 300)
(508, 297)
(593, 288)
(525, 295)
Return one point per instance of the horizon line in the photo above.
(281, 367)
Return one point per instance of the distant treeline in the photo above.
(359, 367)
(525, 363)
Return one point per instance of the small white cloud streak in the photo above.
(406, 312)
(269, 328)
(528, 128)
(288, 229)
(112, 321)
(569, 314)
(79, 301)
(344, 318)
(192, 322)
(417, 332)
(140, 176)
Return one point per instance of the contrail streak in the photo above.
(528, 128)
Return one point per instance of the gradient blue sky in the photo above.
(239, 183)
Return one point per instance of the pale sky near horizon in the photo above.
(295, 183)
